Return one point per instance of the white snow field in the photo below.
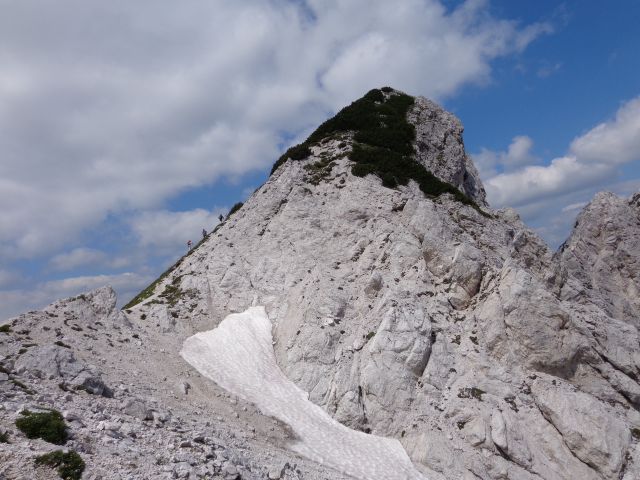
(238, 355)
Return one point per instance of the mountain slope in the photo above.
(407, 308)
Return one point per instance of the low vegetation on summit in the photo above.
(383, 143)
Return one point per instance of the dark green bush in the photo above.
(395, 169)
(384, 143)
(4, 437)
(69, 464)
(374, 122)
(48, 426)
(235, 208)
(6, 328)
(297, 152)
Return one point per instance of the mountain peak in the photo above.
(399, 138)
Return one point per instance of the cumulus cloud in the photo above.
(592, 158)
(560, 188)
(614, 142)
(169, 231)
(86, 257)
(518, 153)
(574, 207)
(111, 107)
(8, 277)
(561, 176)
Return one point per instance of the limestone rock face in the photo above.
(451, 328)
(53, 361)
(599, 262)
(440, 148)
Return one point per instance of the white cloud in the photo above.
(613, 142)
(572, 207)
(548, 69)
(109, 107)
(8, 278)
(88, 257)
(169, 231)
(533, 183)
(547, 196)
(518, 154)
(78, 257)
(593, 158)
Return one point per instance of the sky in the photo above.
(128, 127)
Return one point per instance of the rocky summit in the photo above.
(365, 314)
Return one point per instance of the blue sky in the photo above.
(127, 127)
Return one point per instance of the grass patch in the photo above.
(318, 171)
(49, 426)
(69, 464)
(147, 292)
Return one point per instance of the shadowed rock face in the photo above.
(457, 333)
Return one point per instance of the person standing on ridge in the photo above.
(189, 244)
(204, 233)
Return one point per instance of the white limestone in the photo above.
(238, 356)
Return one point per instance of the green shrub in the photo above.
(4, 437)
(396, 169)
(297, 152)
(69, 464)
(49, 426)
(384, 143)
(147, 292)
(172, 293)
(235, 208)
(6, 328)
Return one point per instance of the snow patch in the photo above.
(238, 355)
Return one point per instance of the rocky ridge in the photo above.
(446, 325)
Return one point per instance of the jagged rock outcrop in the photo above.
(439, 147)
(599, 262)
(56, 362)
(420, 314)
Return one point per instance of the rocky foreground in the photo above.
(424, 317)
